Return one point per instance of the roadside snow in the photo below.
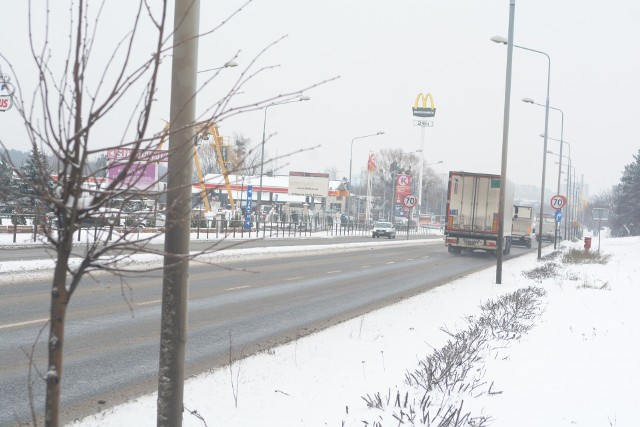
(577, 366)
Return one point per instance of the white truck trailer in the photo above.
(523, 217)
(473, 212)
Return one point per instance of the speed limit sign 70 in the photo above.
(558, 201)
(410, 200)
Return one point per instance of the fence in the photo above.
(224, 228)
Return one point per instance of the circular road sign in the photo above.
(558, 201)
(410, 200)
(6, 102)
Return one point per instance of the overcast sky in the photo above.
(387, 52)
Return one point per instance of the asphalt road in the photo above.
(111, 343)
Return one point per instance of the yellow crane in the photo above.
(203, 133)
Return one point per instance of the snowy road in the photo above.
(112, 333)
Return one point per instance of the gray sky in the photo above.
(387, 52)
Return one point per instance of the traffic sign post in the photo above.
(558, 202)
(558, 215)
(409, 201)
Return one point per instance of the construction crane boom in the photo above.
(212, 129)
(203, 133)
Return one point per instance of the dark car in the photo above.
(347, 220)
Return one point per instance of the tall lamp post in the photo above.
(502, 40)
(568, 194)
(568, 173)
(264, 128)
(505, 144)
(530, 101)
(351, 164)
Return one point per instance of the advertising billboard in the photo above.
(308, 184)
(142, 175)
(123, 154)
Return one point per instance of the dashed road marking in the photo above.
(334, 271)
(294, 278)
(155, 301)
(29, 322)
(237, 287)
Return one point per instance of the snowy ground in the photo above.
(575, 367)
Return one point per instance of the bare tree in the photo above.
(391, 161)
(72, 102)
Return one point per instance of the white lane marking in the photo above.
(294, 278)
(29, 322)
(425, 257)
(365, 266)
(391, 262)
(334, 271)
(155, 301)
(409, 259)
(237, 287)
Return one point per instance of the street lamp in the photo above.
(530, 101)
(502, 40)
(561, 141)
(229, 64)
(348, 207)
(264, 128)
(569, 166)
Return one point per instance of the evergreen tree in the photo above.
(97, 167)
(5, 181)
(35, 179)
(626, 215)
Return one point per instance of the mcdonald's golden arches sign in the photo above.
(424, 111)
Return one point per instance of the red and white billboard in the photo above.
(403, 186)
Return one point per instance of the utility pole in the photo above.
(173, 327)
(505, 147)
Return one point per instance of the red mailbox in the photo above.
(587, 243)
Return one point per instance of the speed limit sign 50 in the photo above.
(410, 200)
(558, 201)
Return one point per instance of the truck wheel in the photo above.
(507, 247)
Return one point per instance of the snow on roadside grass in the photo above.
(577, 366)
(315, 380)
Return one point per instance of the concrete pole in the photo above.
(420, 171)
(557, 225)
(175, 283)
(505, 145)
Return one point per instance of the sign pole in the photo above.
(409, 223)
(599, 221)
